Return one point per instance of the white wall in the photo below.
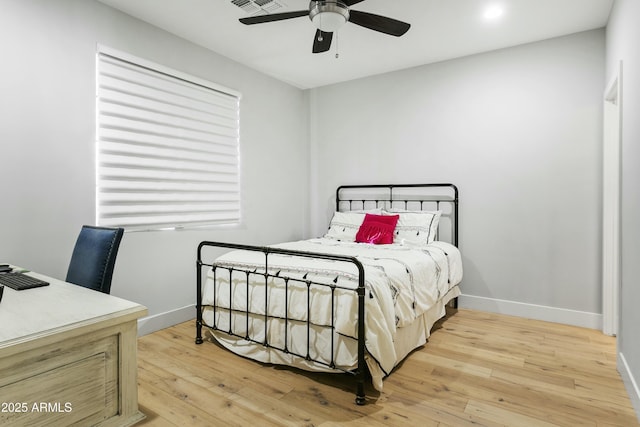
(519, 131)
(623, 34)
(47, 119)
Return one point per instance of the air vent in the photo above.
(256, 6)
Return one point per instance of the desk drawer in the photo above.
(73, 381)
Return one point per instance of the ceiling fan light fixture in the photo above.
(329, 16)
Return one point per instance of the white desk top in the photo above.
(32, 313)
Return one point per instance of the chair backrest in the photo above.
(94, 257)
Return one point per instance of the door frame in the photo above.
(611, 193)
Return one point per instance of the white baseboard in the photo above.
(630, 383)
(532, 311)
(150, 324)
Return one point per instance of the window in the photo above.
(167, 147)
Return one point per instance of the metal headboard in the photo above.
(419, 197)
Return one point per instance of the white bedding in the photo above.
(406, 289)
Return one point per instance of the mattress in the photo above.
(306, 308)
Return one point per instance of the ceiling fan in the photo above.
(329, 15)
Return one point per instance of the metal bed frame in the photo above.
(348, 198)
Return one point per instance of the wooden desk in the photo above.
(68, 357)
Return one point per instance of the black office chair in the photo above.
(94, 257)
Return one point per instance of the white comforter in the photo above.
(402, 283)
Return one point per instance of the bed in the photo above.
(360, 298)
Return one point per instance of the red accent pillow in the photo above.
(377, 229)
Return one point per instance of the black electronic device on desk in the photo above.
(18, 281)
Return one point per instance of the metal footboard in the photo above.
(359, 373)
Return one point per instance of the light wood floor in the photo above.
(477, 369)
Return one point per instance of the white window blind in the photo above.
(167, 148)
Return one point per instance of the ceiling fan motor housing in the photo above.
(328, 15)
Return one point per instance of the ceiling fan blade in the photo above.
(351, 2)
(322, 41)
(273, 17)
(379, 23)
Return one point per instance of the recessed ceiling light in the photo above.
(493, 12)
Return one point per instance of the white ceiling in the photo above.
(440, 30)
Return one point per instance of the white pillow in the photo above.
(415, 228)
(345, 225)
